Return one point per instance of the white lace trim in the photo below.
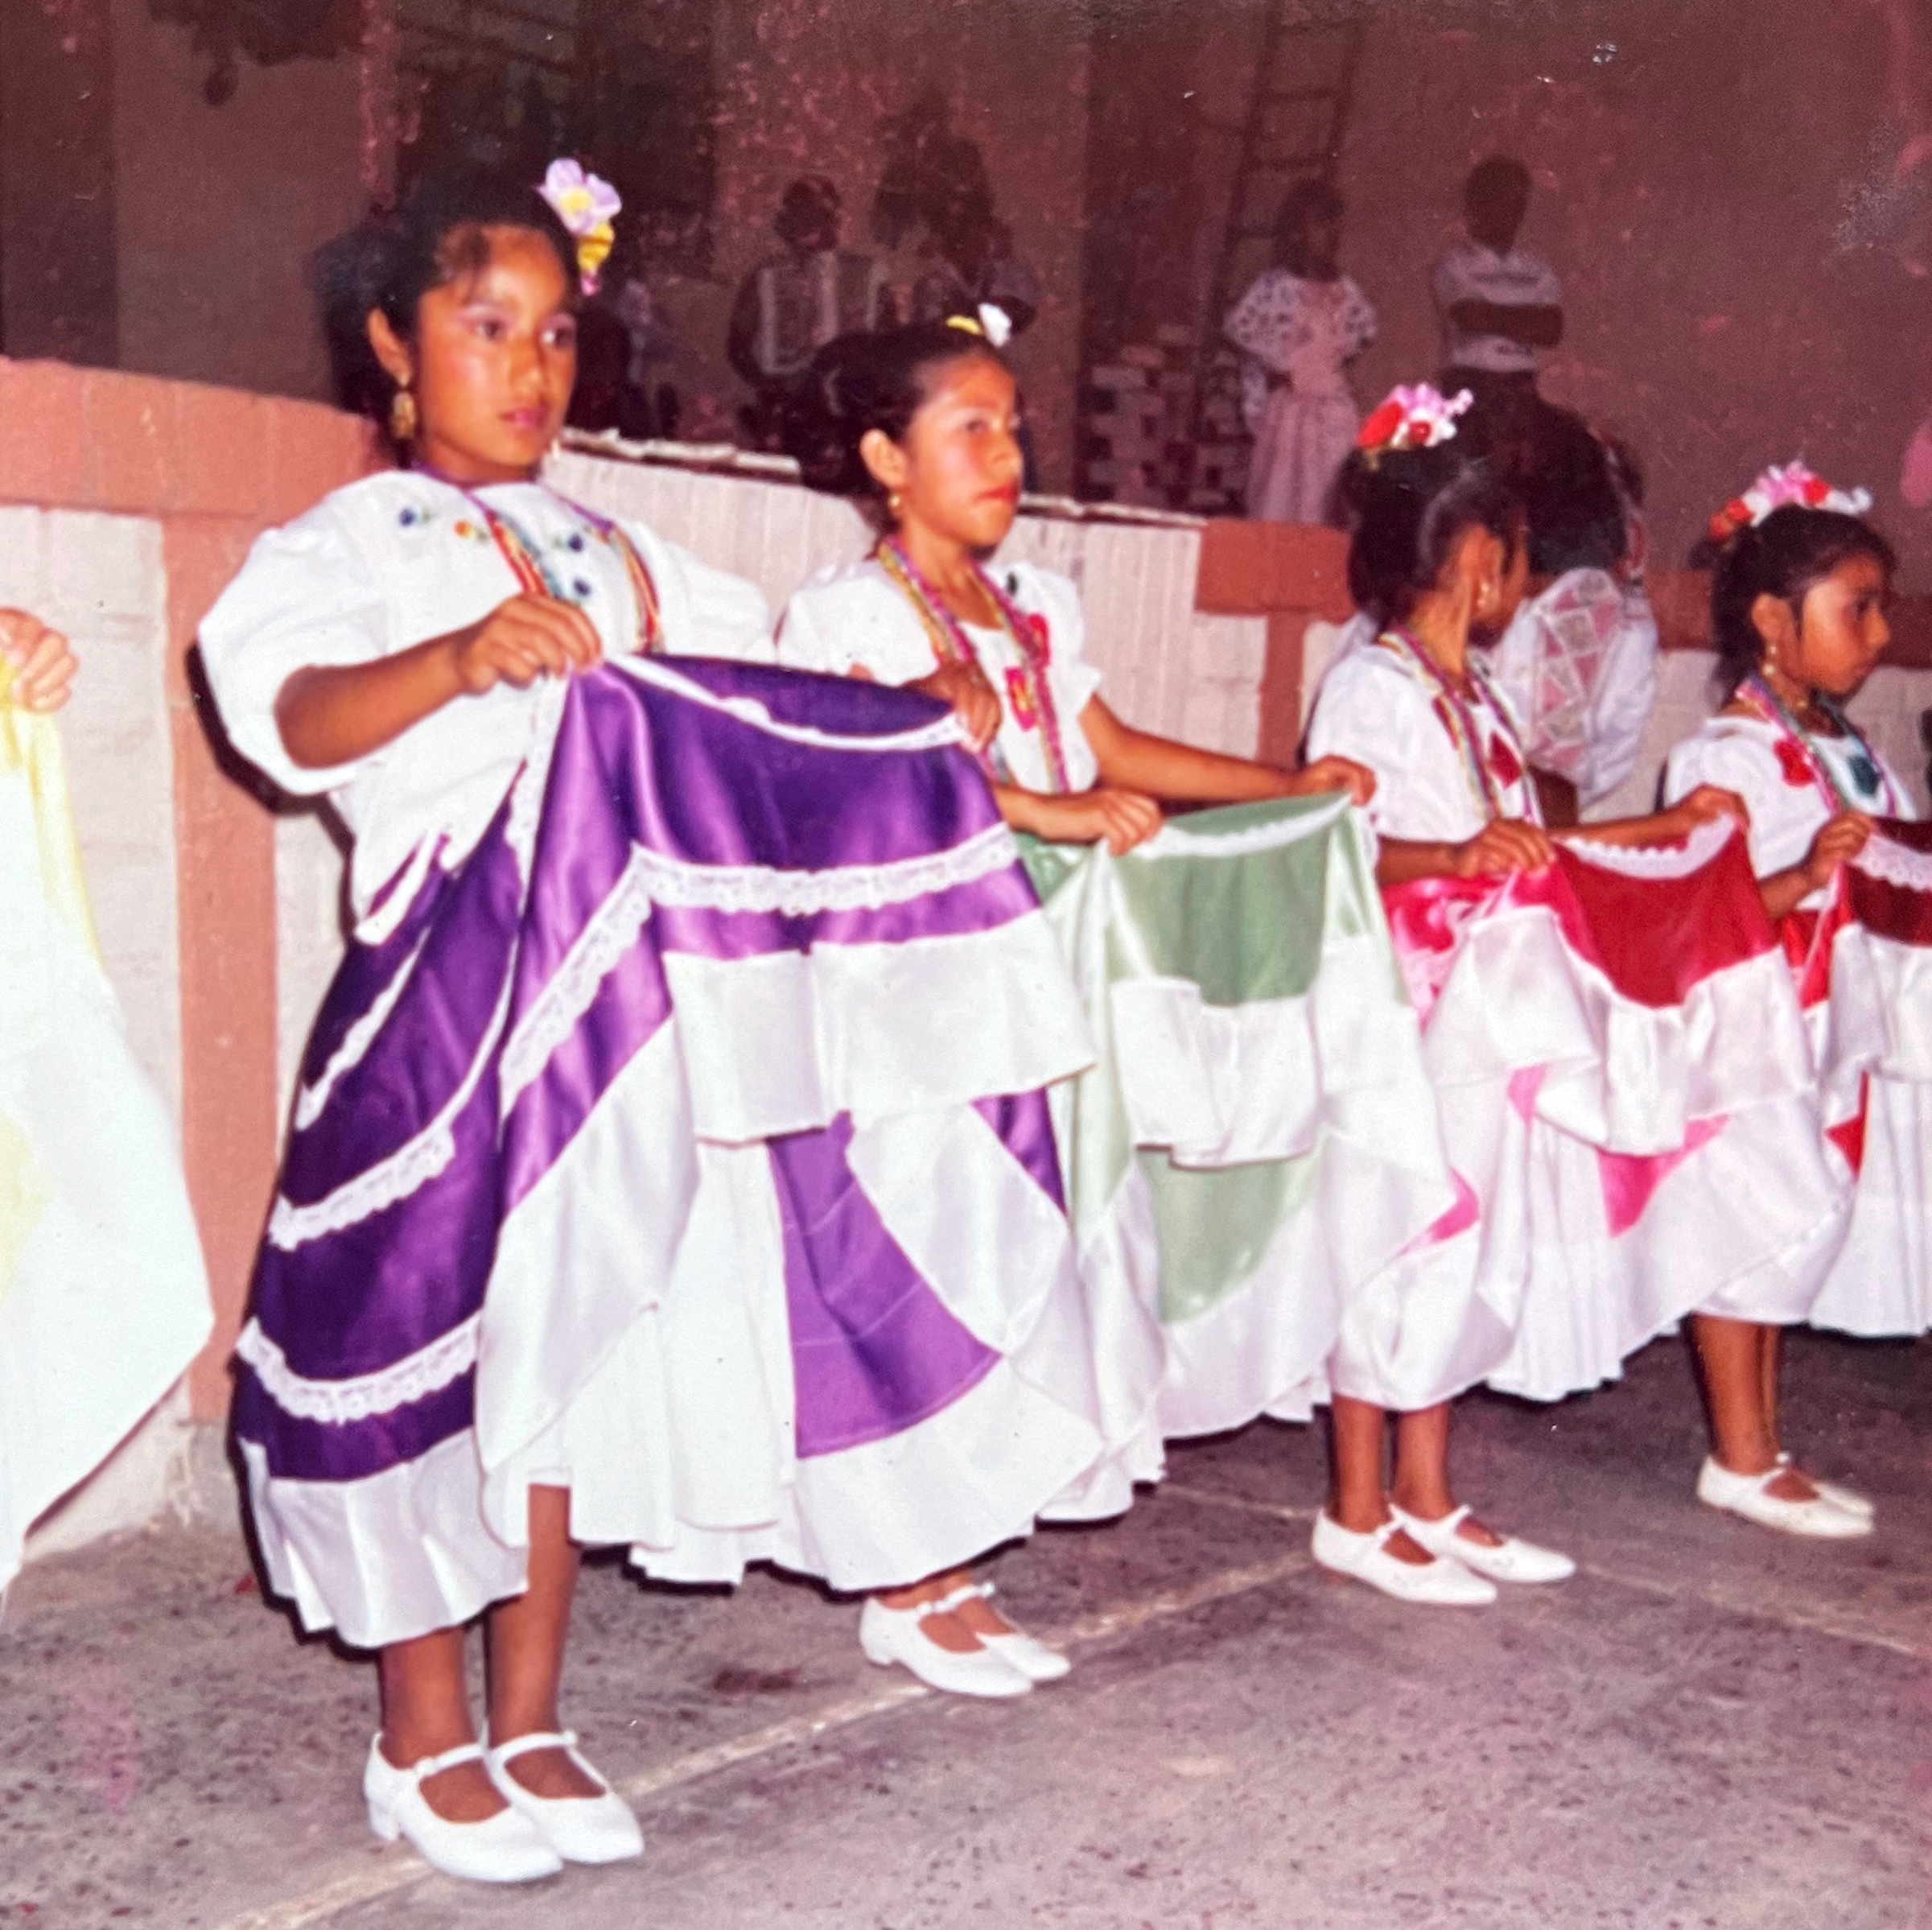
(531, 782)
(427, 1371)
(355, 1042)
(1173, 840)
(798, 894)
(650, 877)
(612, 929)
(1656, 861)
(1891, 862)
(379, 925)
(410, 1167)
(937, 736)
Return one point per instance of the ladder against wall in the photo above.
(1296, 111)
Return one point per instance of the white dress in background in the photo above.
(1578, 665)
(1296, 337)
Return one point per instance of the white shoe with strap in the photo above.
(597, 1829)
(1436, 1583)
(1027, 1653)
(505, 1848)
(1512, 1559)
(894, 1635)
(1747, 1495)
(1839, 1496)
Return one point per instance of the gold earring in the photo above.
(894, 502)
(403, 419)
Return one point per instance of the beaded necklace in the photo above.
(1868, 773)
(1452, 708)
(1029, 696)
(534, 577)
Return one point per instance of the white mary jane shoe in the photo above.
(504, 1847)
(893, 1634)
(597, 1829)
(1745, 1494)
(1027, 1653)
(1511, 1560)
(1437, 1583)
(1848, 1498)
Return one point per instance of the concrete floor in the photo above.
(1711, 1727)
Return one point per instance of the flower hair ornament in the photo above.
(1418, 417)
(1781, 488)
(991, 323)
(586, 205)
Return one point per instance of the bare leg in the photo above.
(1735, 1366)
(1357, 1499)
(1771, 1360)
(425, 1710)
(1421, 1472)
(527, 1633)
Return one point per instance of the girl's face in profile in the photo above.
(493, 361)
(1839, 632)
(956, 472)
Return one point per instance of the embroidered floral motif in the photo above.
(1793, 763)
(1020, 696)
(1505, 766)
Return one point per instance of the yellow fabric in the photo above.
(33, 776)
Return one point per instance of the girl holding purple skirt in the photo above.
(607, 1213)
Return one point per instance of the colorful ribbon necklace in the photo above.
(1868, 773)
(1029, 696)
(535, 577)
(1453, 708)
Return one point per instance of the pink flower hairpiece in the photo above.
(1417, 417)
(1780, 489)
(586, 205)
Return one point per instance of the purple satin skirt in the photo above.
(663, 823)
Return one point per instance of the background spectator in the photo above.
(1500, 306)
(788, 308)
(1297, 327)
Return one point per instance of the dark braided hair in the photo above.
(387, 263)
(1787, 555)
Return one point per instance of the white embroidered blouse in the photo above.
(1373, 707)
(853, 617)
(394, 560)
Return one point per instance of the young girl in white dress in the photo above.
(103, 1296)
(920, 424)
(606, 1213)
(1798, 606)
(1298, 328)
(1437, 556)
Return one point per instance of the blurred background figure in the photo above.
(1298, 328)
(1500, 307)
(789, 306)
(1579, 660)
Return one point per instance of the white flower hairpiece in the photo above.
(1417, 417)
(1780, 489)
(586, 205)
(992, 324)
